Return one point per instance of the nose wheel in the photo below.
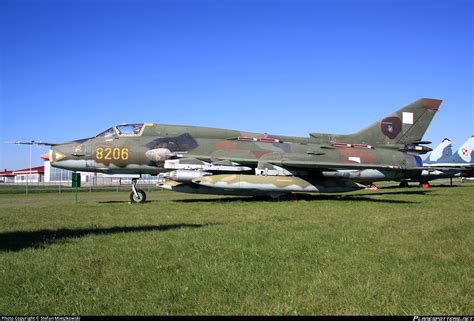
(137, 196)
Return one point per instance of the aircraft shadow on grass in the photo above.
(20, 240)
(416, 187)
(366, 197)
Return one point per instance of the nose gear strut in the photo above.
(137, 195)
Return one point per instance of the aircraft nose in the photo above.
(69, 156)
(59, 152)
(46, 156)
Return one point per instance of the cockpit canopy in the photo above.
(122, 130)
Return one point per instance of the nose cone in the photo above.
(69, 156)
(45, 156)
(62, 152)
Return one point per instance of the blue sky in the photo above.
(70, 69)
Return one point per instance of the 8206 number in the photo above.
(109, 153)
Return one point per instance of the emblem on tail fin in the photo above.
(391, 126)
(465, 152)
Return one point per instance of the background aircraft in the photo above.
(463, 157)
(459, 164)
(442, 163)
(221, 161)
(443, 152)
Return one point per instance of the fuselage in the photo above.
(144, 149)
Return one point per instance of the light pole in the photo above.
(31, 143)
(28, 176)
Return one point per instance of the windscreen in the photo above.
(107, 133)
(129, 129)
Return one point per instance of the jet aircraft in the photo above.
(442, 163)
(442, 155)
(205, 160)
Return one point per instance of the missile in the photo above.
(182, 175)
(416, 149)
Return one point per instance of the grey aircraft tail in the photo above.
(443, 153)
(465, 153)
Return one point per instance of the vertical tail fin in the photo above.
(405, 126)
(465, 153)
(441, 154)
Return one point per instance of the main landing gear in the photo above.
(373, 187)
(424, 184)
(137, 195)
(404, 184)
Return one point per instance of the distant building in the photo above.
(30, 175)
(7, 177)
(61, 176)
(52, 175)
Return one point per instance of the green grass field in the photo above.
(393, 251)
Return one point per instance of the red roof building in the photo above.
(7, 174)
(33, 170)
(34, 174)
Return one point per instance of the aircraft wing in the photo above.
(306, 164)
(449, 167)
(328, 166)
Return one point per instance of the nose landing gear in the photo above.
(137, 196)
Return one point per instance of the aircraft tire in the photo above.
(424, 185)
(140, 199)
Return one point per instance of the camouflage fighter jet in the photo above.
(230, 162)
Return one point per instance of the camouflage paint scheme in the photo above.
(386, 150)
